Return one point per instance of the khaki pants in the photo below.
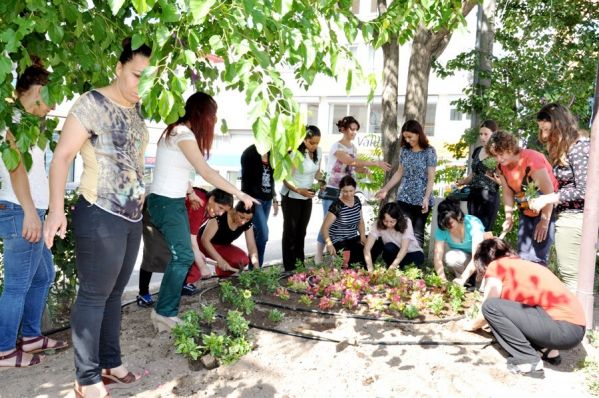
(568, 236)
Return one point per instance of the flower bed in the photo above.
(410, 293)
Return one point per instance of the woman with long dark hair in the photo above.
(483, 201)
(296, 198)
(416, 172)
(181, 151)
(569, 153)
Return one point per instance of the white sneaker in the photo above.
(527, 369)
(163, 323)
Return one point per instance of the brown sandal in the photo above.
(18, 355)
(127, 381)
(60, 345)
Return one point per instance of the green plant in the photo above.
(214, 344)
(413, 273)
(227, 291)
(436, 304)
(237, 325)
(275, 315)
(186, 335)
(433, 280)
(208, 313)
(410, 311)
(490, 162)
(235, 349)
(305, 299)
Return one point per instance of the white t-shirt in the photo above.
(173, 171)
(396, 237)
(38, 180)
(303, 177)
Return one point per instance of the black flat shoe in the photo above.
(556, 360)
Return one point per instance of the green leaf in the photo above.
(10, 157)
(162, 35)
(137, 40)
(147, 80)
(169, 12)
(5, 67)
(190, 57)
(348, 83)
(224, 128)
(115, 5)
(199, 9)
(55, 32)
(140, 6)
(165, 103)
(216, 42)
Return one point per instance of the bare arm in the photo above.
(402, 253)
(493, 288)
(194, 156)
(324, 230)
(382, 193)
(541, 177)
(429, 187)
(197, 254)
(250, 242)
(19, 181)
(438, 253)
(209, 232)
(72, 138)
(367, 248)
(344, 158)
(508, 206)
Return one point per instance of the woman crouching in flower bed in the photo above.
(343, 227)
(393, 236)
(530, 311)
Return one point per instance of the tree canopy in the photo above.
(547, 53)
(80, 40)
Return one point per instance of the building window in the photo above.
(355, 7)
(373, 6)
(429, 125)
(455, 115)
(376, 118)
(358, 111)
(312, 114)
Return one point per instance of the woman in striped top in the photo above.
(343, 227)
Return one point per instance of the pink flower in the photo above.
(325, 303)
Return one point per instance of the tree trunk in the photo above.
(426, 47)
(485, 35)
(389, 104)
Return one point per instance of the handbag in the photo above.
(461, 194)
(156, 253)
(328, 193)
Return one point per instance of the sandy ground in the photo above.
(284, 366)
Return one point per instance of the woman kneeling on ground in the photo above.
(216, 238)
(531, 312)
(392, 235)
(456, 239)
(343, 227)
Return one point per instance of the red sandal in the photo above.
(18, 355)
(127, 381)
(60, 345)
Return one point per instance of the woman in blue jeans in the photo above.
(28, 267)
(257, 180)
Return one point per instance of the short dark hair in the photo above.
(488, 251)
(502, 142)
(394, 211)
(347, 180)
(446, 210)
(128, 53)
(412, 126)
(346, 122)
(240, 207)
(221, 197)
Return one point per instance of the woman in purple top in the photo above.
(568, 153)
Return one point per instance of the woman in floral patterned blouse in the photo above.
(569, 155)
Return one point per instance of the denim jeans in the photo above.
(260, 221)
(28, 275)
(326, 203)
(106, 248)
(528, 248)
(169, 215)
